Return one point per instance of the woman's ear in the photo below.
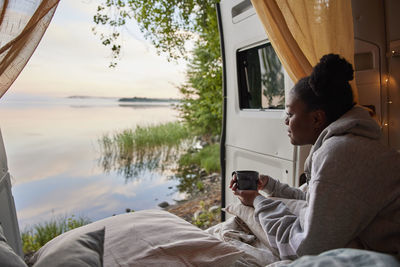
(319, 119)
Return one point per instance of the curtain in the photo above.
(302, 31)
(22, 25)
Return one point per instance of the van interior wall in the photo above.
(377, 34)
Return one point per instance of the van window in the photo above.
(261, 78)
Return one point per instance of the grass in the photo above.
(191, 166)
(133, 150)
(206, 158)
(161, 147)
(36, 236)
(206, 218)
(169, 134)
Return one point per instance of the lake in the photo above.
(53, 157)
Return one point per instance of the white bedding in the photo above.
(235, 232)
(154, 238)
(159, 238)
(245, 232)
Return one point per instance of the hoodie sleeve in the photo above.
(325, 223)
(278, 189)
(332, 218)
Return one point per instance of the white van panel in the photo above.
(255, 139)
(240, 159)
(242, 10)
(240, 123)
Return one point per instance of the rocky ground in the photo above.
(203, 208)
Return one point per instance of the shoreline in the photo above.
(206, 202)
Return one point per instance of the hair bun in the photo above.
(331, 71)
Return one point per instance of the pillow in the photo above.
(83, 250)
(158, 238)
(7, 255)
(246, 214)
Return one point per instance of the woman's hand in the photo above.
(247, 196)
(233, 184)
(262, 181)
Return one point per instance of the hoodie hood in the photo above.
(356, 121)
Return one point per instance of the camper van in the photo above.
(254, 135)
(255, 86)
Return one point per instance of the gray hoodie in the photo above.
(353, 197)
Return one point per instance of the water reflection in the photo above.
(53, 157)
(132, 163)
(170, 161)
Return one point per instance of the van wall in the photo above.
(256, 139)
(377, 34)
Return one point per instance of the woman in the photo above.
(353, 196)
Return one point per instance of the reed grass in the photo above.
(36, 236)
(131, 151)
(169, 134)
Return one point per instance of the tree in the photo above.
(201, 106)
(169, 25)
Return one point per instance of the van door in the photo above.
(256, 86)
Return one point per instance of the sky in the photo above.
(70, 60)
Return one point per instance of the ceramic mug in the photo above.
(246, 180)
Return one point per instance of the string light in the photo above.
(386, 124)
(395, 53)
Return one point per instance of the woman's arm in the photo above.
(338, 209)
(275, 188)
(332, 218)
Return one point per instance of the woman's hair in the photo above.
(328, 88)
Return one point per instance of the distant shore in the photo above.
(128, 99)
(145, 99)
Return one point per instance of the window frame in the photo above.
(243, 81)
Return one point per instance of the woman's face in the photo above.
(303, 125)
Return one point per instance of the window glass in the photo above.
(261, 78)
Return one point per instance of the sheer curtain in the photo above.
(22, 25)
(302, 31)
